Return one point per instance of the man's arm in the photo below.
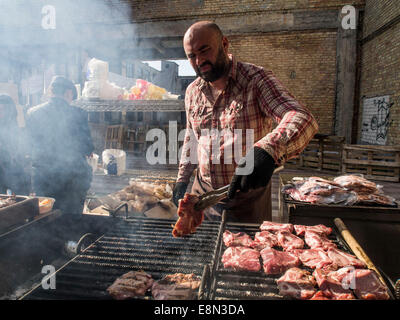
(186, 163)
(296, 125)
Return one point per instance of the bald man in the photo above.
(231, 108)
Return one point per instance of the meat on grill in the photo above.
(343, 259)
(130, 285)
(364, 282)
(276, 262)
(189, 218)
(320, 228)
(241, 258)
(297, 283)
(331, 288)
(319, 295)
(263, 240)
(237, 239)
(288, 241)
(177, 286)
(275, 226)
(314, 258)
(318, 240)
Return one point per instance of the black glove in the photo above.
(264, 166)
(179, 192)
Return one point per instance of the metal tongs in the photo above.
(211, 198)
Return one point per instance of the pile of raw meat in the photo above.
(136, 284)
(344, 190)
(310, 264)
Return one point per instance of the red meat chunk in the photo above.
(314, 258)
(364, 282)
(343, 259)
(297, 283)
(289, 241)
(300, 229)
(263, 240)
(276, 262)
(237, 239)
(275, 227)
(318, 241)
(331, 287)
(189, 218)
(241, 258)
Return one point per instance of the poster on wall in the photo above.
(375, 120)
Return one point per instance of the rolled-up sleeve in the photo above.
(296, 125)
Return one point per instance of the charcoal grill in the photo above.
(133, 244)
(246, 285)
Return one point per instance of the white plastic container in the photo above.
(120, 158)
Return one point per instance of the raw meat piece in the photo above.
(364, 282)
(177, 286)
(356, 183)
(314, 258)
(263, 240)
(297, 283)
(316, 240)
(189, 218)
(320, 228)
(276, 262)
(130, 285)
(240, 239)
(289, 241)
(318, 190)
(319, 295)
(376, 198)
(241, 258)
(332, 288)
(343, 259)
(275, 227)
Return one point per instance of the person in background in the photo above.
(13, 172)
(232, 95)
(60, 144)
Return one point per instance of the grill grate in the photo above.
(134, 244)
(235, 285)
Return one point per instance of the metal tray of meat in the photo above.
(289, 209)
(22, 211)
(228, 284)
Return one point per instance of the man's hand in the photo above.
(264, 166)
(178, 192)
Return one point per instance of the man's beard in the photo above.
(217, 69)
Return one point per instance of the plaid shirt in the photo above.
(253, 99)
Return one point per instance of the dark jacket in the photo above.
(60, 141)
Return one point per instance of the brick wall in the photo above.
(156, 9)
(304, 62)
(377, 13)
(380, 69)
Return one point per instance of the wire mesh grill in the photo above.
(134, 244)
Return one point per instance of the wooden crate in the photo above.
(323, 153)
(374, 162)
